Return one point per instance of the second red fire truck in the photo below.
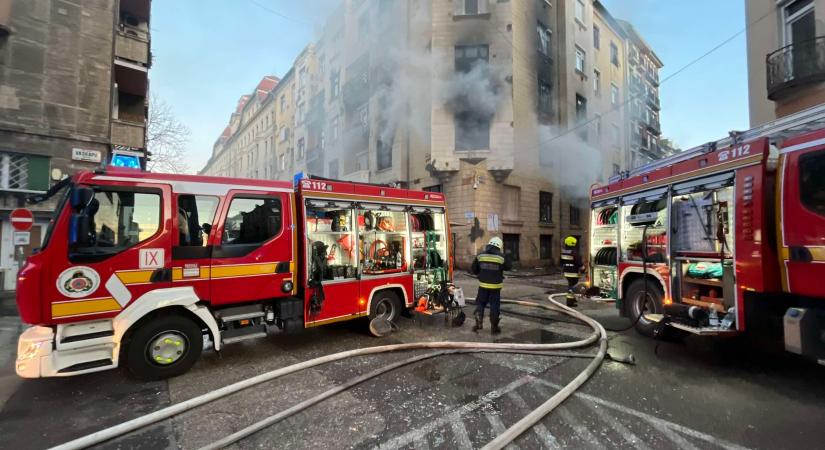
(136, 268)
(722, 239)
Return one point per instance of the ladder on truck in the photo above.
(810, 119)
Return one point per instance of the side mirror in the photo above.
(80, 230)
(81, 196)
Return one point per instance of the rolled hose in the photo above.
(499, 442)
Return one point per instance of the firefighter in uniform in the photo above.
(489, 266)
(570, 266)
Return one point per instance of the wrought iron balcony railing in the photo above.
(795, 65)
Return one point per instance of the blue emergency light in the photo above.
(127, 161)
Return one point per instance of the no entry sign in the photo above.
(22, 219)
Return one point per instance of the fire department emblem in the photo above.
(78, 282)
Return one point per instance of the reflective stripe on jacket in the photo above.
(570, 264)
(490, 266)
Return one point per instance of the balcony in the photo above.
(795, 66)
(636, 85)
(315, 161)
(652, 75)
(129, 134)
(356, 92)
(653, 126)
(132, 48)
(653, 102)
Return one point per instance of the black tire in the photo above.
(179, 331)
(634, 302)
(385, 303)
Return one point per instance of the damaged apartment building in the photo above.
(511, 108)
(73, 87)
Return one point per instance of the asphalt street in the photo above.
(697, 394)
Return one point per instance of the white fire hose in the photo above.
(499, 442)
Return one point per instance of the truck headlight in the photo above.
(29, 351)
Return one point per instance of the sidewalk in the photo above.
(8, 305)
(10, 329)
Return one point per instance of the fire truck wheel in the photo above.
(385, 304)
(637, 304)
(163, 347)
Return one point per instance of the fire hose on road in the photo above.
(599, 335)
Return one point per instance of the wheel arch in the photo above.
(397, 289)
(180, 300)
(632, 274)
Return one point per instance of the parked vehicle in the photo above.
(722, 239)
(136, 268)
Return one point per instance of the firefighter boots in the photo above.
(479, 322)
(494, 329)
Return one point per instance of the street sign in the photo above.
(22, 219)
(22, 238)
(83, 154)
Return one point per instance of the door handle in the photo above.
(801, 254)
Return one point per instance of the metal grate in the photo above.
(14, 171)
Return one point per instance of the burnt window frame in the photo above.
(545, 202)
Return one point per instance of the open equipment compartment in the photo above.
(383, 238)
(604, 256)
(331, 237)
(428, 233)
(703, 244)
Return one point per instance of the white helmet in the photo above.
(497, 243)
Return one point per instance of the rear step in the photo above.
(699, 331)
(240, 313)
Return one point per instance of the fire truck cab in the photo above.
(719, 240)
(137, 269)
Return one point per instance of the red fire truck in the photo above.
(136, 268)
(721, 239)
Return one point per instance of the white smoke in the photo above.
(477, 91)
(574, 164)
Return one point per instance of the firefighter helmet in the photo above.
(570, 241)
(497, 243)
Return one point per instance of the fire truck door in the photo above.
(803, 220)
(126, 256)
(252, 248)
(195, 217)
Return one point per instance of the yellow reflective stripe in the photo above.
(570, 257)
(242, 271)
(491, 285)
(134, 276)
(571, 275)
(81, 307)
(817, 253)
(491, 258)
